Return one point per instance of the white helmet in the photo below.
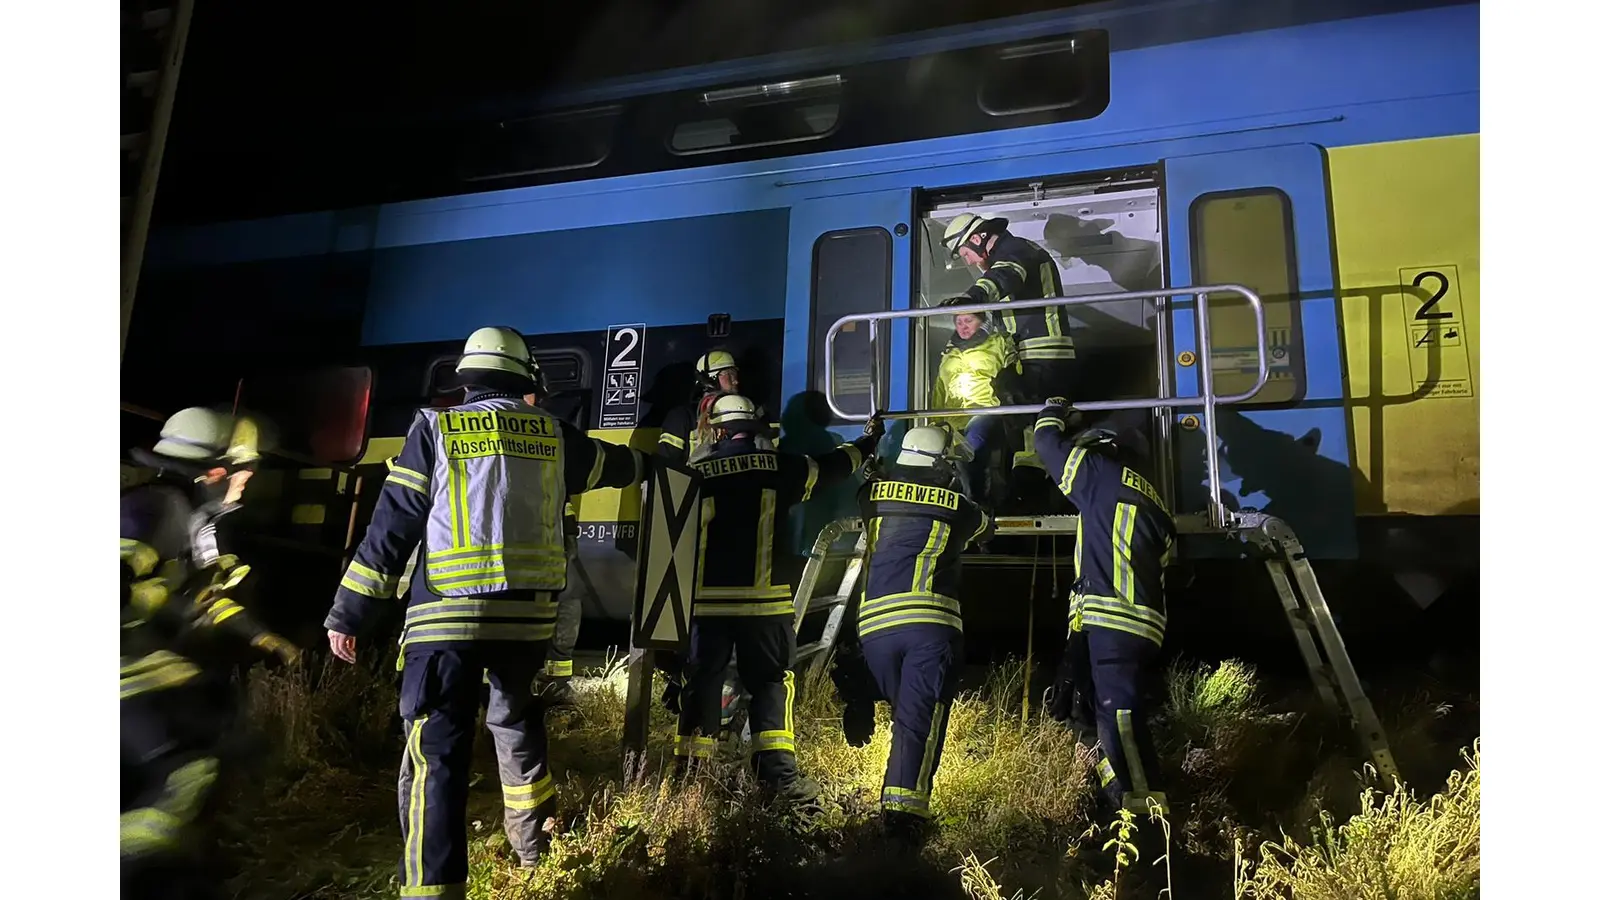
(734, 411)
(965, 226)
(196, 433)
(713, 364)
(924, 446)
(499, 349)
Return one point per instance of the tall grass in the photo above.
(1012, 807)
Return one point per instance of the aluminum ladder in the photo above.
(1317, 637)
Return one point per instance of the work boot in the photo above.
(557, 692)
(905, 832)
(796, 790)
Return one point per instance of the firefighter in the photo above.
(180, 634)
(1016, 268)
(974, 360)
(1117, 605)
(481, 487)
(686, 433)
(917, 524)
(686, 436)
(742, 606)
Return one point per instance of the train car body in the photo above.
(1325, 155)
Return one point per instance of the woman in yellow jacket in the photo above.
(972, 362)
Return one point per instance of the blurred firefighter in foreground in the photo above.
(739, 604)
(1016, 268)
(481, 486)
(974, 360)
(1117, 605)
(181, 633)
(910, 617)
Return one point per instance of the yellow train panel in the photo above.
(1406, 231)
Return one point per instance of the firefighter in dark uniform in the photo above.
(686, 436)
(742, 601)
(910, 617)
(1117, 605)
(1016, 268)
(481, 486)
(181, 632)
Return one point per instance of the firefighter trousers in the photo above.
(766, 648)
(171, 762)
(439, 695)
(1111, 673)
(917, 667)
(1045, 378)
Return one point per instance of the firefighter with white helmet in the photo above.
(181, 633)
(481, 487)
(917, 523)
(1015, 268)
(742, 597)
(686, 436)
(686, 433)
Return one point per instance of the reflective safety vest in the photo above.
(498, 491)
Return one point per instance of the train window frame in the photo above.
(610, 115)
(818, 329)
(247, 400)
(432, 376)
(720, 105)
(1289, 301)
(1068, 47)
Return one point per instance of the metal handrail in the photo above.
(1207, 396)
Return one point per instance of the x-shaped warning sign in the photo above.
(669, 558)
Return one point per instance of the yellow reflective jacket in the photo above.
(967, 371)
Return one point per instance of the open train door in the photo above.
(848, 255)
(1260, 218)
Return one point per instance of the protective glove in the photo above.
(671, 697)
(874, 428)
(272, 644)
(860, 720)
(955, 301)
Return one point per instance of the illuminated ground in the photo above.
(319, 820)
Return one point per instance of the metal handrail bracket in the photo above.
(1207, 397)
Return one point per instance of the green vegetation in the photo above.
(1260, 793)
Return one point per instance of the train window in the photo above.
(783, 112)
(850, 273)
(1247, 237)
(1034, 78)
(556, 142)
(566, 369)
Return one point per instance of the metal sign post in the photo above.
(669, 557)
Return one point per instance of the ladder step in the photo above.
(818, 604)
(806, 651)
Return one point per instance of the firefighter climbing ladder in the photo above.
(1310, 620)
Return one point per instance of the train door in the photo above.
(848, 255)
(1106, 235)
(1260, 218)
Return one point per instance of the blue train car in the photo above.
(1324, 154)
